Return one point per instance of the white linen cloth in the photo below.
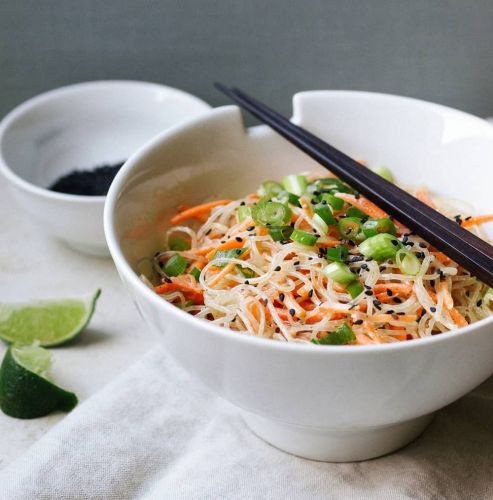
(156, 433)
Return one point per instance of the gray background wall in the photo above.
(432, 49)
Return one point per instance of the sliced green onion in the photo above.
(233, 253)
(246, 271)
(335, 202)
(244, 212)
(195, 272)
(408, 262)
(332, 185)
(175, 265)
(271, 213)
(380, 247)
(320, 224)
(372, 227)
(354, 289)
(280, 233)
(304, 237)
(340, 273)
(179, 244)
(350, 227)
(355, 212)
(343, 335)
(269, 188)
(286, 197)
(338, 253)
(385, 173)
(325, 213)
(295, 184)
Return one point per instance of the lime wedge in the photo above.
(25, 390)
(48, 322)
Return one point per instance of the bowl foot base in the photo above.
(336, 445)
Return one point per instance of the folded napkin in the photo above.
(156, 433)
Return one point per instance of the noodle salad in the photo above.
(311, 260)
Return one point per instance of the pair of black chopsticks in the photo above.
(446, 235)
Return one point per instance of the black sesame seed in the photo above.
(388, 292)
(167, 280)
(368, 292)
(377, 303)
(401, 313)
(404, 239)
(324, 202)
(277, 330)
(358, 322)
(266, 302)
(364, 266)
(268, 224)
(394, 242)
(479, 302)
(397, 300)
(433, 309)
(357, 196)
(292, 312)
(390, 311)
(368, 287)
(247, 282)
(419, 255)
(281, 297)
(369, 259)
(422, 245)
(239, 251)
(223, 241)
(409, 243)
(239, 239)
(297, 263)
(313, 202)
(208, 232)
(469, 217)
(242, 204)
(310, 293)
(441, 273)
(458, 219)
(292, 224)
(277, 268)
(357, 258)
(250, 228)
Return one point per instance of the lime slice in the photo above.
(25, 390)
(48, 322)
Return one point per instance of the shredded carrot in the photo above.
(442, 258)
(221, 274)
(197, 211)
(396, 288)
(475, 221)
(423, 196)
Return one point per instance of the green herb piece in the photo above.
(269, 188)
(295, 184)
(350, 228)
(304, 237)
(325, 213)
(335, 202)
(408, 262)
(354, 289)
(338, 253)
(340, 273)
(233, 253)
(244, 212)
(355, 212)
(195, 272)
(175, 265)
(372, 227)
(380, 247)
(280, 233)
(179, 244)
(343, 335)
(271, 213)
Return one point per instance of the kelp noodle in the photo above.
(311, 260)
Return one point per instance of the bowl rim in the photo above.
(76, 88)
(177, 314)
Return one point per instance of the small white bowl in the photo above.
(80, 127)
(334, 403)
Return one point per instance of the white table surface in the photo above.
(34, 265)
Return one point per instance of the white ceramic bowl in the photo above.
(336, 403)
(82, 126)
